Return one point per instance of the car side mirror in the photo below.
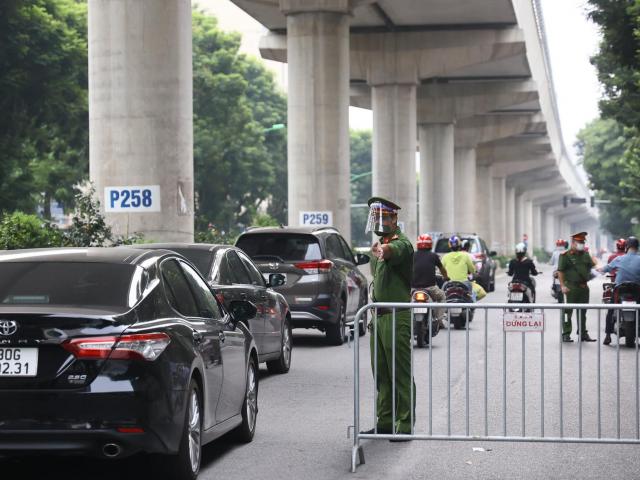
(241, 311)
(276, 280)
(493, 253)
(362, 259)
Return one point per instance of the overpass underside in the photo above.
(466, 84)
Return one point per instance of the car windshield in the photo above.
(201, 259)
(65, 283)
(442, 246)
(280, 246)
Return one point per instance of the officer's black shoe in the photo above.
(381, 431)
(586, 338)
(607, 339)
(398, 440)
(567, 338)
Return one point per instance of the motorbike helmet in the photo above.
(560, 242)
(632, 242)
(465, 245)
(424, 242)
(454, 243)
(521, 250)
(621, 244)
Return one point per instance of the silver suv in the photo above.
(323, 285)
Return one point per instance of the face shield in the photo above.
(381, 219)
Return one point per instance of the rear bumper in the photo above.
(83, 421)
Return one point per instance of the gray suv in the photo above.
(323, 285)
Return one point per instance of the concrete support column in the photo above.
(141, 113)
(528, 225)
(520, 219)
(511, 220)
(549, 231)
(318, 111)
(465, 189)
(394, 150)
(499, 215)
(484, 202)
(437, 198)
(537, 227)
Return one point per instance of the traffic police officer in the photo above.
(574, 271)
(391, 267)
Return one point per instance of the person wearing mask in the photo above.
(458, 264)
(621, 246)
(574, 271)
(627, 270)
(521, 268)
(425, 262)
(391, 267)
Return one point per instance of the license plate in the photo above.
(628, 303)
(516, 296)
(18, 362)
(455, 311)
(421, 310)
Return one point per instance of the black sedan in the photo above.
(233, 276)
(110, 352)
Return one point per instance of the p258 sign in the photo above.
(140, 198)
(316, 219)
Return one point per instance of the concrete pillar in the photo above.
(537, 233)
(520, 219)
(318, 111)
(437, 198)
(549, 231)
(465, 189)
(499, 215)
(528, 225)
(511, 220)
(141, 113)
(484, 202)
(394, 150)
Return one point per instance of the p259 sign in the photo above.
(140, 198)
(316, 219)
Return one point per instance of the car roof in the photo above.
(185, 246)
(120, 255)
(298, 230)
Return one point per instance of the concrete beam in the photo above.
(486, 128)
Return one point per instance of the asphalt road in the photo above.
(303, 418)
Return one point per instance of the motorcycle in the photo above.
(607, 291)
(421, 318)
(458, 292)
(627, 293)
(556, 291)
(521, 293)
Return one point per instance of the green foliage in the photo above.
(236, 162)
(44, 121)
(541, 255)
(360, 184)
(21, 230)
(264, 220)
(604, 148)
(503, 260)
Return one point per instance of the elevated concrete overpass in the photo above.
(465, 83)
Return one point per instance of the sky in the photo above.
(571, 38)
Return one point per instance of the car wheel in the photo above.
(186, 464)
(336, 331)
(283, 363)
(492, 283)
(247, 429)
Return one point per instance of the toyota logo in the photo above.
(8, 327)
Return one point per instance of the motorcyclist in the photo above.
(627, 268)
(621, 248)
(458, 264)
(561, 246)
(425, 262)
(521, 268)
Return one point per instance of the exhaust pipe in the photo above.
(111, 450)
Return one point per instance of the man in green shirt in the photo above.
(391, 266)
(574, 271)
(458, 264)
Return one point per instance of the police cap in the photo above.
(579, 237)
(383, 201)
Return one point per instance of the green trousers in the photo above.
(381, 337)
(576, 295)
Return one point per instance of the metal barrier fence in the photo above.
(486, 428)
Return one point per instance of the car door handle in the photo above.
(197, 336)
(221, 337)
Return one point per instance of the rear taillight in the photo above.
(141, 346)
(316, 266)
(516, 287)
(420, 297)
(479, 257)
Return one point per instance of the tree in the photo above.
(234, 103)
(43, 80)
(602, 146)
(360, 184)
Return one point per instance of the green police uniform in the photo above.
(576, 267)
(392, 283)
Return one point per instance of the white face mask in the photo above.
(580, 247)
